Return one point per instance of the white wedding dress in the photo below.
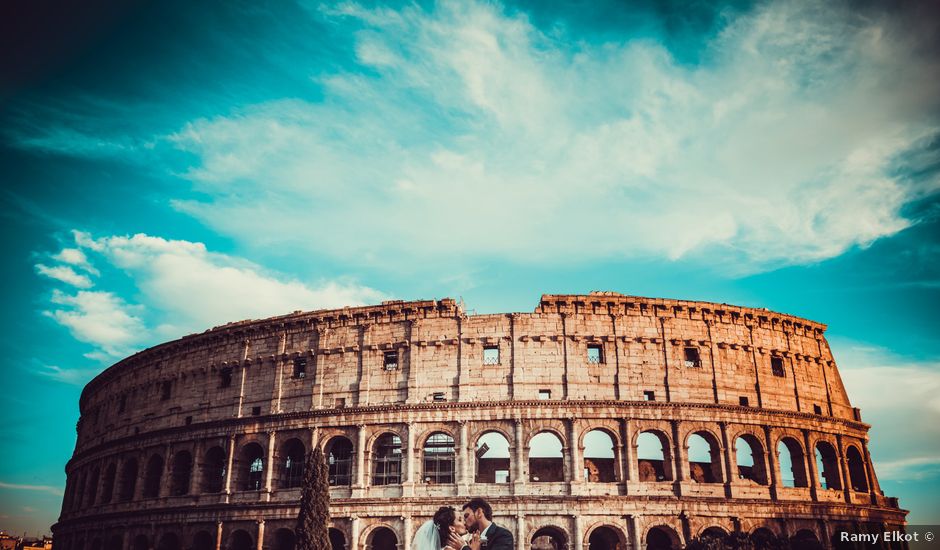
(428, 537)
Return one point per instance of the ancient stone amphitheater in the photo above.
(598, 422)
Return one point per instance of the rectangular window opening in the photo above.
(776, 366)
(743, 401)
(817, 409)
(491, 355)
(692, 357)
(595, 354)
(339, 403)
(649, 395)
(545, 395)
(501, 476)
(225, 377)
(256, 411)
(439, 396)
(189, 420)
(390, 360)
(300, 367)
(165, 389)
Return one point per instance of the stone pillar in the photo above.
(230, 459)
(633, 526)
(195, 475)
(873, 487)
(269, 471)
(630, 463)
(575, 467)
(680, 463)
(354, 533)
(844, 470)
(463, 454)
(809, 459)
(578, 534)
(218, 535)
(243, 372)
(408, 484)
(771, 464)
(520, 532)
(360, 459)
(726, 463)
(521, 470)
(260, 543)
(407, 532)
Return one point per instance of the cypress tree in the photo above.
(313, 521)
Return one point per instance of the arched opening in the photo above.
(153, 476)
(93, 486)
(856, 470)
(141, 543)
(213, 470)
(714, 537)
(386, 460)
(546, 461)
(128, 480)
(492, 458)
(653, 456)
(337, 539)
(339, 460)
(750, 459)
(662, 538)
(604, 538)
(181, 473)
(169, 541)
(805, 539)
(439, 458)
(241, 540)
(765, 539)
(704, 458)
(114, 542)
(792, 465)
(284, 539)
(292, 463)
(107, 488)
(203, 541)
(251, 467)
(549, 538)
(827, 464)
(599, 457)
(382, 538)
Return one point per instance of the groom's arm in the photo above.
(503, 541)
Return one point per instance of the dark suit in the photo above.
(497, 538)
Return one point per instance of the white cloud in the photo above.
(72, 376)
(75, 257)
(470, 133)
(25, 487)
(181, 288)
(65, 274)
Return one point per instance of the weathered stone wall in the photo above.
(256, 390)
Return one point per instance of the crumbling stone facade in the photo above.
(199, 443)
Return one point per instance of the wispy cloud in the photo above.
(64, 274)
(39, 488)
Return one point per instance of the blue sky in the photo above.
(169, 167)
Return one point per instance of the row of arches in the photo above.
(547, 460)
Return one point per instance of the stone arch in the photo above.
(169, 541)
(605, 536)
(107, 485)
(763, 538)
(240, 540)
(601, 455)
(291, 463)
(337, 539)
(380, 537)
(386, 458)
(750, 459)
(827, 466)
(546, 457)
(486, 428)
(203, 540)
(713, 531)
(705, 461)
(438, 458)
(661, 537)
(547, 428)
(250, 467)
(549, 537)
(181, 472)
(493, 457)
(858, 477)
(284, 539)
(805, 539)
(338, 451)
(213, 467)
(653, 464)
(153, 475)
(790, 456)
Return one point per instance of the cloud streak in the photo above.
(38, 488)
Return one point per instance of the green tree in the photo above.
(313, 521)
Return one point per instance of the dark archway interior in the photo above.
(383, 538)
(549, 538)
(658, 539)
(337, 539)
(603, 538)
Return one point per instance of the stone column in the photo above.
(218, 535)
(870, 473)
(771, 464)
(726, 463)
(260, 542)
(360, 484)
(230, 459)
(195, 475)
(633, 525)
(407, 532)
(269, 471)
(354, 533)
(408, 484)
(521, 470)
(573, 455)
(629, 455)
(809, 459)
(578, 535)
(680, 463)
(844, 470)
(463, 454)
(520, 532)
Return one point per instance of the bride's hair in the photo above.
(443, 519)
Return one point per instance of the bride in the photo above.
(436, 531)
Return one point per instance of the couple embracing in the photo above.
(471, 528)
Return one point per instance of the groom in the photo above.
(478, 518)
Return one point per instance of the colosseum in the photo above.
(598, 422)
